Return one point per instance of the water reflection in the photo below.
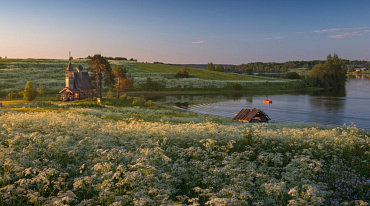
(338, 92)
(237, 96)
(366, 77)
(249, 99)
(327, 110)
(335, 107)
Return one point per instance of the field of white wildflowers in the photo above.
(140, 156)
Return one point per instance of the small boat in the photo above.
(267, 101)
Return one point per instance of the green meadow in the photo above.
(199, 73)
(14, 73)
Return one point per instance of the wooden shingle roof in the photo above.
(247, 115)
(82, 80)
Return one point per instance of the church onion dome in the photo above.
(69, 67)
(79, 68)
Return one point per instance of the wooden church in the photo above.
(78, 84)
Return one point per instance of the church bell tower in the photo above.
(70, 78)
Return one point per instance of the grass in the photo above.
(200, 73)
(301, 71)
(12, 102)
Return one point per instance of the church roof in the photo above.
(79, 68)
(82, 80)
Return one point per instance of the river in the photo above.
(351, 106)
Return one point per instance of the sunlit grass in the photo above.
(12, 102)
(200, 73)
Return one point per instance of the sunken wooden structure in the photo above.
(78, 84)
(251, 115)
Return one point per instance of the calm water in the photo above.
(345, 107)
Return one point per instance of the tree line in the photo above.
(114, 58)
(273, 67)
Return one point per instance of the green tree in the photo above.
(219, 68)
(29, 92)
(124, 82)
(100, 70)
(210, 66)
(331, 74)
(249, 71)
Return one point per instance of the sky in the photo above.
(186, 31)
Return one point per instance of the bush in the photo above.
(109, 94)
(182, 73)
(151, 85)
(13, 95)
(123, 96)
(149, 103)
(292, 75)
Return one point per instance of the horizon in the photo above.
(186, 32)
(73, 58)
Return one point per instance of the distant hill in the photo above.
(269, 67)
(202, 66)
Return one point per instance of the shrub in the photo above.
(13, 95)
(182, 73)
(151, 85)
(292, 75)
(109, 94)
(149, 103)
(123, 96)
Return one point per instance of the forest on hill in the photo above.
(268, 67)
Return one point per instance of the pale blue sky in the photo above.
(176, 31)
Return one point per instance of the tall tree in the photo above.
(124, 82)
(210, 66)
(29, 92)
(100, 70)
(331, 74)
